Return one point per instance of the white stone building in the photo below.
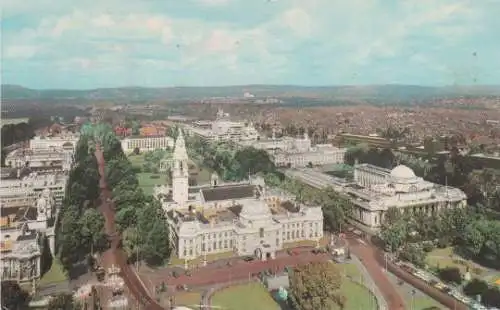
(223, 129)
(374, 190)
(42, 159)
(29, 187)
(246, 218)
(299, 152)
(55, 142)
(21, 250)
(21, 239)
(146, 143)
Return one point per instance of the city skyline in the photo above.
(60, 44)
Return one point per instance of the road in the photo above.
(115, 254)
(366, 255)
(373, 259)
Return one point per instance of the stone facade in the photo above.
(246, 218)
(374, 190)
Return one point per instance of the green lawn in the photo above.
(251, 296)
(55, 274)
(147, 183)
(136, 160)
(445, 258)
(422, 303)
(189, 299)
(358, 297)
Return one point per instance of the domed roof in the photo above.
(402, 172)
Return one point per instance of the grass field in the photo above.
(55, 274)
(445, 258)
(358, 297)
(189, 299)
(147, 183)
(136, 160)
(245, 297)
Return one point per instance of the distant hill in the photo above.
(389, 93)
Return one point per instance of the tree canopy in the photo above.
(81, 224)
(316, 286)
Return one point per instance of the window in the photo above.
(277, 241)
(225, 244)
(215, 245)
(287, 235)
(262, 232)
(203, 247)
(220, 245)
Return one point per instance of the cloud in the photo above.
(20, 51)
(286, 41)
(214, 2)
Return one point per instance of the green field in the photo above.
(55, 274)
(358, 297)
(147, 183)
(245, 297)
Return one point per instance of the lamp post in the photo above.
(413, 292)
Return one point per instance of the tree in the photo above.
(92, 229)
(63, 301)
(316, 286)
(414, 254)
(394, 236)
(475, 287)
(13, 297)
(450, 274)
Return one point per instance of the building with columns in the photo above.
(247, 218)
(374, 190)
(23, 229)
(21, 250)
(149, 143)
(298, 152)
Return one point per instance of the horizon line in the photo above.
(254, 85)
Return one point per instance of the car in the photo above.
(248, 258)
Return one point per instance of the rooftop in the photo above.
(228, 192)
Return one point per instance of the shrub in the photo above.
(450, 274)
(475, 287)
(154, 176)
(491, 297)
(443, 242)
(427, 247)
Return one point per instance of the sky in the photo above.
(84, 44)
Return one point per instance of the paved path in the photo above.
(366, 255)
(370, 284)
(238, 271)
(115, 255)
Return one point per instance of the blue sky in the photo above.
(110, 43)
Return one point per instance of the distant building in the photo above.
(146, 143)
(223, 129)
(296, 152)
(57, 142)
(373, 141)
(149, 131)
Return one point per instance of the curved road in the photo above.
(367, 255)
(374, 261)
(132, 281)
